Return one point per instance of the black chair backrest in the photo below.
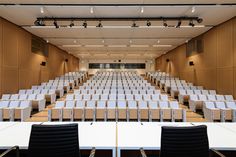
(54, 141)
(184, 141)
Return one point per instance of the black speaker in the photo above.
(191, 63)
(167, 60)
(66, 60)
(43, 64)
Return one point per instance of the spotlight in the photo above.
(55, 24)
(191, 23)
(72, 24)
(41, 10)
(99, 24)
(91, 10)
(178, 24)
(134, 25)
(193, 9)
(39, 22)
(149, 23)
(85, 24)
(164, 23)
(199, 20)
(142, 10)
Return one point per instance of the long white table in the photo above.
(119, 136)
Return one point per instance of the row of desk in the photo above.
(119, 136)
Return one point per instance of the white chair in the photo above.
(77, 91)
(90, 110)
(29, 91)
(143, 111)
(104, 97)
(211, 113)
(198, 92)
(163, 97)
(22, 91)
(225, 113)
(96, 97)
(56, 112)
(79, 110)
(176, 112)
(211, 98)
(195, 102)
(129, 97)
(164, 110)
(111, 110)
(132, 110)
(212, 92)
(121, 110)
(147, 97)
(70, 97)
(14, 97)
(154, 110)
(138, 97)
(86, 97)
(229, 98)
(205, 92)
(23, 111)
(68, 110)
(101, 110)
(155, 97)
(112, 97)
(3, 104)
(220, 97)
(78, 97)
(121, 97)
(6, 97)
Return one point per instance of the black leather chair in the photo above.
(184, 142)
(54, 140)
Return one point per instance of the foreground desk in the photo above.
(133, 136)
(100, 135)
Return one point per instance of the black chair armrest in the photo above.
(92, 153)
(143, 152)
(218, 153)
(11, 149)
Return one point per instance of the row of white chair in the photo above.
(196, 100)
(117, 110)
(219, 111)
(15, 110)
(137, 97)
(38, 100)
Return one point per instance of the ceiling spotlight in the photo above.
(130, 41)
(158, 41)
(103, 41)
(178, 24)
(99, 24)
(142, 10)
(72, 24)
(134, 25)
(85, 24)
(149, 23)
(47, 41)
(39, 22)
(191, 23)
(41, 10)
(165, 23)
(193, 9)
(199, 20)
(75, 41)
(91, 10)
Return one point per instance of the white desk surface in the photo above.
(229, 126)
(16, 134)
(5, 125)
(220, 136)
(101, 135)
(134, 135)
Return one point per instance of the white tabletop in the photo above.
(229, 126)
(16, 134)
(220, 136)
(134, 135)
(5, 125)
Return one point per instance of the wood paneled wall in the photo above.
(215, 68)
(20, 68)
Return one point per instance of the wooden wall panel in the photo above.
(225, 45)
(10, 45)
(10, 80)
(225, 81)
(0, 56)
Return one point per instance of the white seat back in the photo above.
(211, 98)
(220, 97)
(197, 92)
(129, 97)
(142, 104)
(6, 96)
(101, 104)
(40, 97)
(220, 104)
(147, 97)
(80, 103)
(91, 104)
(231, 105)
(25, 103)
(121, 104)
(138, 97)
(174, 104)
(212, 92)
(22, 91)
(4, 104)
(70, 97)
(70, 104)
(87, 97)
(153, 104)
(112, 97)
(193, 97)
(23, 97)
(59, 104)
(132, 104)
(163, 104)
(121, 97)
(164, 97)
(111, 104)
(209, 104)
(78, 97)
(155, 97)
(104, 97)
(229, 98)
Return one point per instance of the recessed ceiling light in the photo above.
(130, 41)
(162, 45)
(158, 41)
(91, 10)
(93, 45)
(103, 41)
(41, 10)
(47, 41)
(71, 45)
(116, 45)
(142, 10)
(193, 9)
(139, 45)
(74, 41)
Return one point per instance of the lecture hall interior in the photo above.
(117, 78)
